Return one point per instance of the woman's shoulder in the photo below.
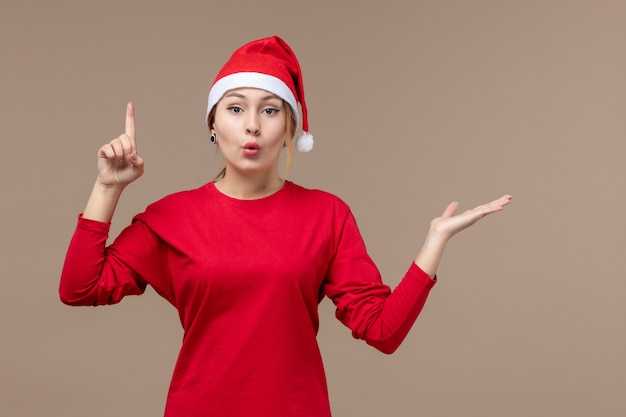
(317, 196)
(180, 199)
(177, 203)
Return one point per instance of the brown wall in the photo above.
(413, 104)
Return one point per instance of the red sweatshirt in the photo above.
(246, 277)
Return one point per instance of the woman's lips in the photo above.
(251, 149)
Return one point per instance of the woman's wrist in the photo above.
(102, 202)
(431, 252)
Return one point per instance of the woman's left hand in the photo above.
(450, 224)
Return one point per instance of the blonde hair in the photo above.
(290, 131)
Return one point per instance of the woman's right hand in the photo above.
(118, 162)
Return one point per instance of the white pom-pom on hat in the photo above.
(304, 142)
(269, 64)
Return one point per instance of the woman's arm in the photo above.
(366, 305)
(444, 227)
(86, 278)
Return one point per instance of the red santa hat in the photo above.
(269, 64)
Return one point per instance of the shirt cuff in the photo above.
(420, 275)
(93, 225)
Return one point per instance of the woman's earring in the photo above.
(213, 139)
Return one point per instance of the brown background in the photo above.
(413, 104)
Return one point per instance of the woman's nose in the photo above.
(253, 126)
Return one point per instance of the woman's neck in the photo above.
(249, 187)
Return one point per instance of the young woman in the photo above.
(246, 259)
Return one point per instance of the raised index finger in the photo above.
(130, 125)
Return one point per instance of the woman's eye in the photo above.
(270, 111)
(234, 109)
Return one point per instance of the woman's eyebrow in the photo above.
(271, 96)
(237, 95)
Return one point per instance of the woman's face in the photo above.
(250, 129)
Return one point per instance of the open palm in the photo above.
(450, 224)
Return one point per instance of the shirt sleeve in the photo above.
(365, 304)
(94, 274)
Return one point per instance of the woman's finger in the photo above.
(118, 149)
(495, 205)
(499, 203)
(449, 211)
(107, 152)
(130, 126)
(127, 146)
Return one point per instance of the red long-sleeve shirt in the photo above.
(246, 277)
